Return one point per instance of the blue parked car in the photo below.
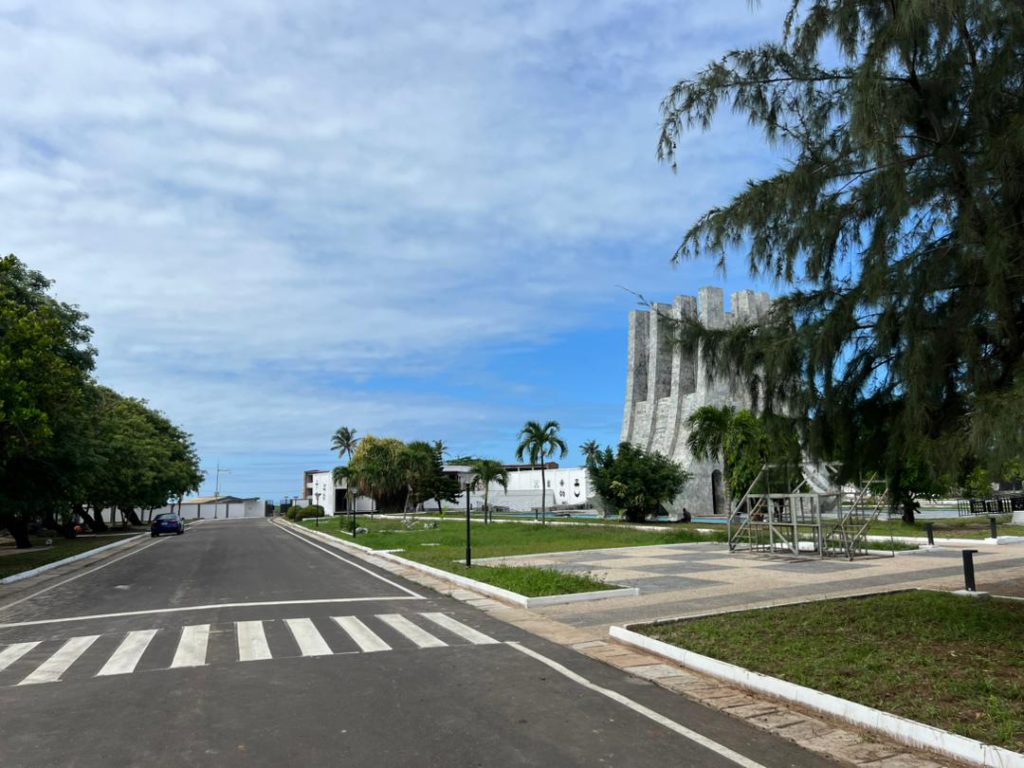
(168, 522)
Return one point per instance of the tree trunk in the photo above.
(97, 524)
(909, 508)
(543, 497)
(18, 529)
(440, 511)
(83, 513)
(131, 517)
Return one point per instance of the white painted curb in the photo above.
(898, 728)
(477, 586)
(67, 560)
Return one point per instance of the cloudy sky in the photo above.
(417, 218)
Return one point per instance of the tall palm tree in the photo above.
(540, 443)
(344, 441)
(489, 471)
(590, 450)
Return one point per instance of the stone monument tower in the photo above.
(664, 386)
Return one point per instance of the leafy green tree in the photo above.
(45, 365)
(419, 463)
(744, 444)
(978, 484)
(895, 222)
(344, 441)
(635, 482)
(539, 443)
(440, 485)
(489, 471)
(378, 471)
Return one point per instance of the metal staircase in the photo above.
(805, 520)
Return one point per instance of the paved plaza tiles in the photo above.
(677, 580)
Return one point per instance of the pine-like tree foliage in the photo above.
(897, 226)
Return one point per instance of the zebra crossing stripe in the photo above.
(361, 634)
(252, 641)
(12, 653)
(128, 653)
(410, 631)
(191, 650)
(55, 666)
(193, 643)
(308, 638)
(460, 629)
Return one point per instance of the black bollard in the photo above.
(992, 527)
(929, 528)
(969, 584)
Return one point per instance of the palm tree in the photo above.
(590, 450)
(709, 427)
(344, 441)
(489, 471)
(740, 440)
(540, 443)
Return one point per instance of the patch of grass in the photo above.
(948, 661)
(27, 559)
(531, 582)
(951, 528)
(444, 546)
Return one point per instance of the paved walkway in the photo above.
(678, 580)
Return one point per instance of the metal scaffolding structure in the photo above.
(803, 521)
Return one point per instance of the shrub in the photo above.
(312, 510)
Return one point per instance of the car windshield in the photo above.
(165, 517)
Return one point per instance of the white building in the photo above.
(564, 487)
(217, 508)
(568, 486)
(324, 491)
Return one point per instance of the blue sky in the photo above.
(419, 219)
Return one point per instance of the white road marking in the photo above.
(252, 641)
(310, 641)
(128, 653)
(77, 576)
(349, 562)
(12, 653)
(55, 666)
(361, 634)
(212, 607)
(403, 626)
(640, 709)
(460, 629)
(191, 651)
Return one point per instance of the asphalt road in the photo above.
(240, 643)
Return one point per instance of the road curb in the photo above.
(900, 729)
(513, 598)
(16, 577)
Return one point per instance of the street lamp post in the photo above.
(469, 540)
(468, 480)
(317, 497)
(353, 511)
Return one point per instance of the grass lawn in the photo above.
(950, 528)
(28, 559)
(952, 662)
(443, 546)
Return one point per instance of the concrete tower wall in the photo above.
(664, 386)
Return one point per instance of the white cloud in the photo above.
(338, 189)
